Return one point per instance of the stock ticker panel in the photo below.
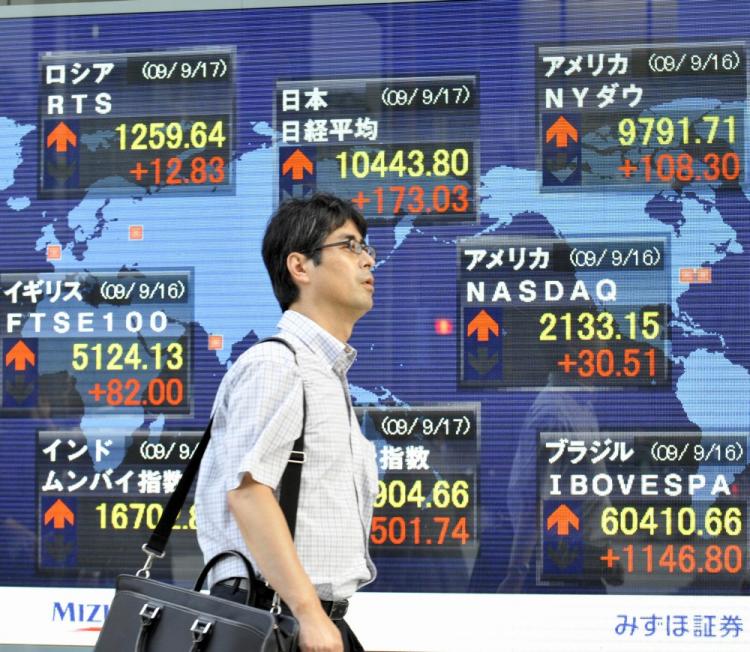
(561, 273)
(405, 147)
(635, 505)
(624, 115)
(110, 120)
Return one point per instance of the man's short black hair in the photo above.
(302, 225)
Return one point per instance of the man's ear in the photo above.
(297, 265)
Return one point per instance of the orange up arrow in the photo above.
(59, 513)
(297, 163)
(482, 324)
(561, 130)
(60, 137)
(19, 356)
(563, 517)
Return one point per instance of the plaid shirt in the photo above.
(257, 417)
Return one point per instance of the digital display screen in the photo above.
(156, 119)
(556, 370)
(629, 114)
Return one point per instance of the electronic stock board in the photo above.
(555, 372)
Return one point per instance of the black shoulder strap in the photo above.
(288, 493)
(292, 477)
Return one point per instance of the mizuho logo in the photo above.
(79, 612)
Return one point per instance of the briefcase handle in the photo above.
(250, 573)
(288, 489)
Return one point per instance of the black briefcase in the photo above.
(151, 616)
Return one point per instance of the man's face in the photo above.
(343, 280)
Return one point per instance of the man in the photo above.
(321, 273)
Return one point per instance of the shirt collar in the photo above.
(337, 354)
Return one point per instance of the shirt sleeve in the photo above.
(263, 416)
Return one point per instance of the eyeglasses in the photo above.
(354, 246)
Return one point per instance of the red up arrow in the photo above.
(59, 514)
(297, 163)
(563, 518)
(19, 356)
(482, 324)
(60, 137)
(561, 130)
